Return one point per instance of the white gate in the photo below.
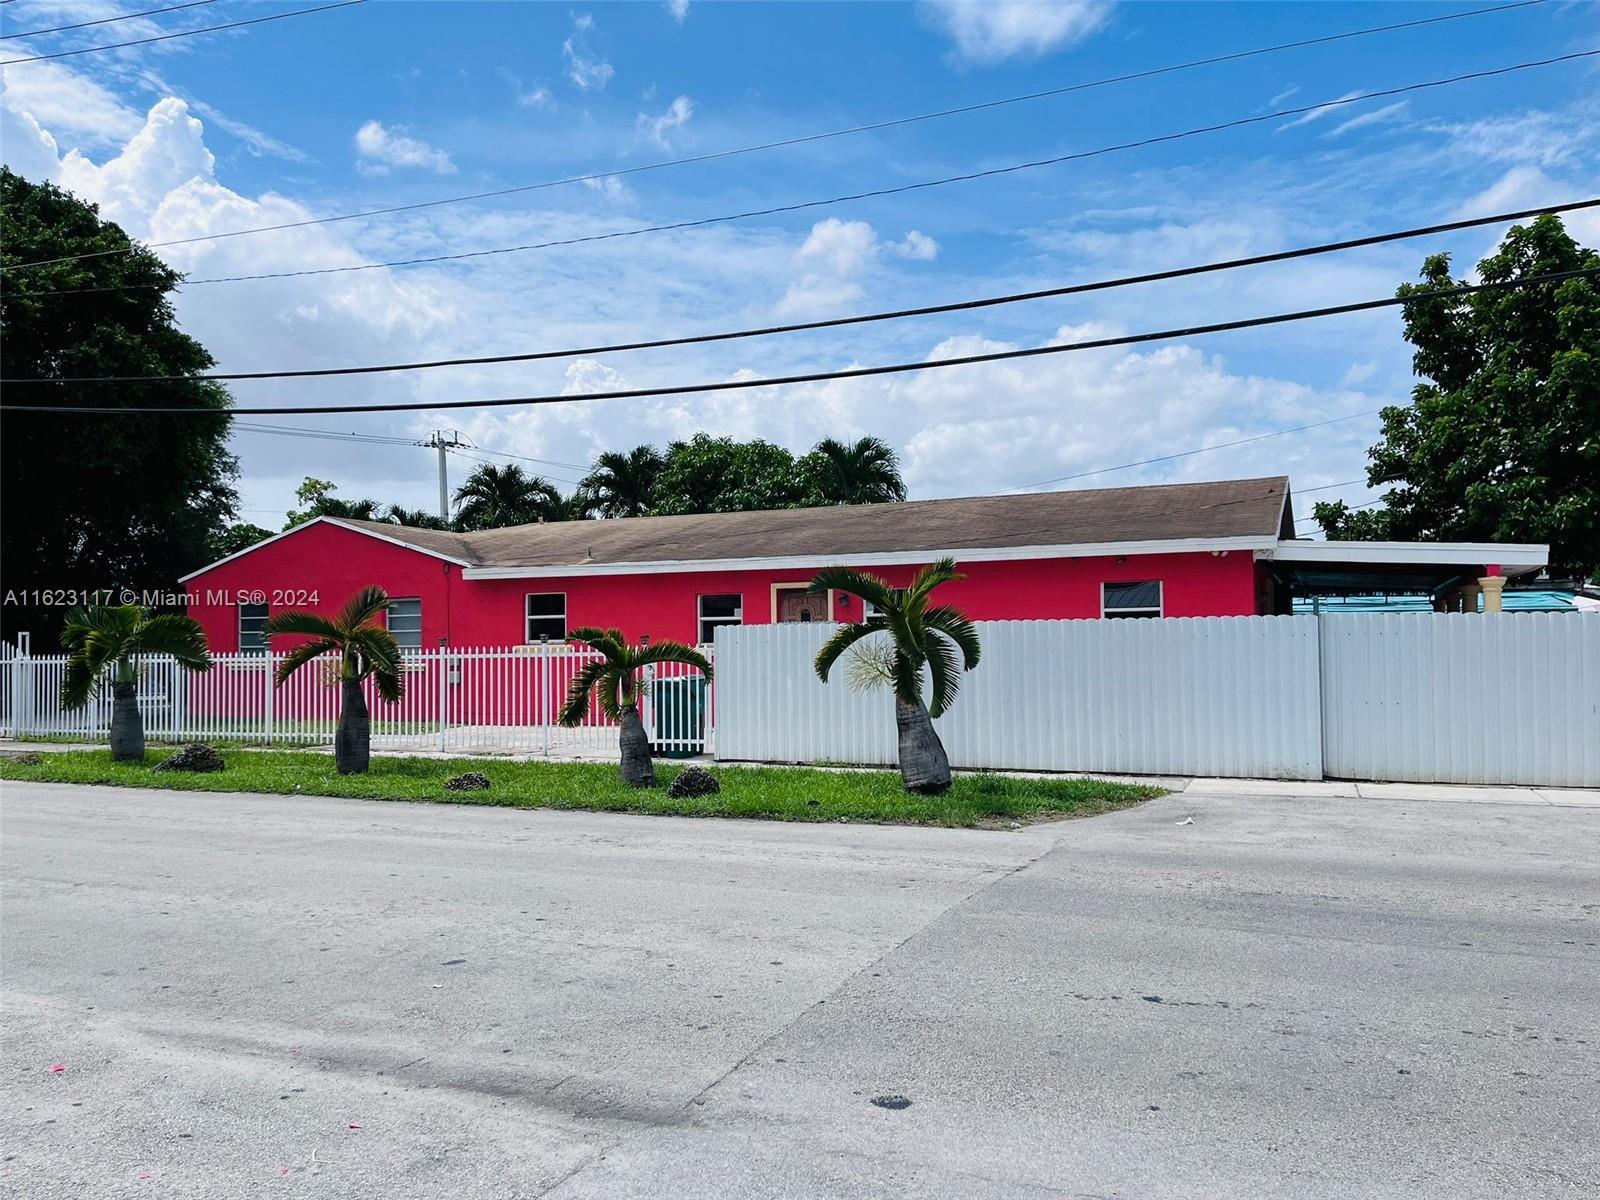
(1508, 699)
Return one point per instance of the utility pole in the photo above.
(443, 440)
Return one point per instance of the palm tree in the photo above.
(578, 506)
(108, 640)
(614, 679)
(867, 472)
(365, 648)
(494, 496)
(623, 485)
(921, 636)
(417, 518)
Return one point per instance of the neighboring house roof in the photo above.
(1232, 511)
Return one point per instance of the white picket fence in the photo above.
(487, 700)
(1506, 699)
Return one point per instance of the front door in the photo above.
(797, 604)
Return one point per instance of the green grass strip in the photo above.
(769, 793)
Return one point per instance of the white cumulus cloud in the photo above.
(986, 32)
(676, 116)
(587, 70)
(382, 148)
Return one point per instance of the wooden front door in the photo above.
(797, 605)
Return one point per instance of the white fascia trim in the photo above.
(460, 562)
(898, 558)
(1514, 558)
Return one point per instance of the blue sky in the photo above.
(390, 103)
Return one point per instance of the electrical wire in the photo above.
(167, 37)
(861, 319)
(1347, 508)
(745, 384)
(149, 12)
(874, 126)
(799, 206)
(384, 440)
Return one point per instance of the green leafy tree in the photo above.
(236, 538)
(624, 484)
(613, 680)
(866, 471)
(316, 499)
(495, 496)
(107, 642)
(93, 501)
(707, 474)
(934, 638)
(1502, 439)
(365, 648)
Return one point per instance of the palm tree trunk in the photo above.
(352, 742)
(637, 769)
(924, 766)
(127, 726)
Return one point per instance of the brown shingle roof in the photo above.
(1229, 508)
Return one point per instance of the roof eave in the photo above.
(324, 520)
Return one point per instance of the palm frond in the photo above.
(931, 576)
(944, 673)
(301, 655)
(77, 683)
(306, 624)
(907, 678)
(97, 639)
(609, 642)
(858, 583)
(843, 638)
(588, 677)
(177, 635)
(362, 608)
(669, 652)
(954, 625)
(380, 658)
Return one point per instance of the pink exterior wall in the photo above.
(335, 562)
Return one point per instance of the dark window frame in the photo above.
(529, 617)
(704, 622)
(388, 620)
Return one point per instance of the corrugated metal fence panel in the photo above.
(1512, 699)
(1212, 696)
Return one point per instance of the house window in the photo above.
(547, 616)
(252, 634)
(718, 610)
(870, 610)
(405, 623)
(1141, 599)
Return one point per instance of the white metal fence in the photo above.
(483, 700)
(1211, 696)
(1508, 699)
(1513, 699)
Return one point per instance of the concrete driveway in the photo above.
(259, 996)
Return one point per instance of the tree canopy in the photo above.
(1502, 439)
(100, 501)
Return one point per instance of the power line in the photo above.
(861, 319)
(595, 177)
(744, 384)
(149, 12)
(1260, 437)
(387, 440)
(900, 189)
(167, 37)
(1347, 508)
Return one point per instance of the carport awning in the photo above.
(1311, 568)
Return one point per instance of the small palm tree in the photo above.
(365, 648)
(107, 641)
(417, 518)
(614, 679)
(865, 472)
(577, 506)
(936, 637)
(623, 485)
(494, 497)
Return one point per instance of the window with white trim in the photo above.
(405, 623)
(1140, 599)
(718, 610)
(546, 615)
(252, 629)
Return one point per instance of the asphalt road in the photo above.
(305, 997)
